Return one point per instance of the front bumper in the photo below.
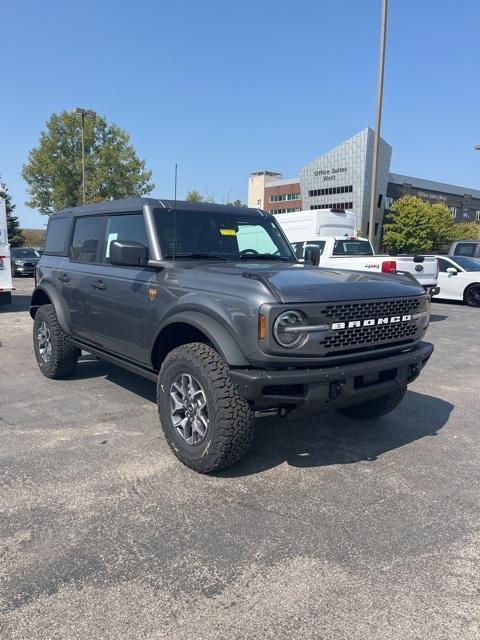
(317, 390)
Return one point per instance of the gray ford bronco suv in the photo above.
(211, 303)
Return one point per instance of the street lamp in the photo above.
(477, 147)
(84, 113)
(378, 120)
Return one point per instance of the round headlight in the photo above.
(288, 329)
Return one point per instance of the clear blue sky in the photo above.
(225, 88)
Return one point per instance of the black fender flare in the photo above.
(218, 335)
(54, 297)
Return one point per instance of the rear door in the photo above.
(120, 295)
(77, 274)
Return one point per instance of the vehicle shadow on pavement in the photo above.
(316, 441)
(330, 438)
(437, 317)
(91, 367)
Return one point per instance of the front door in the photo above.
(121, 293)
(449, 283)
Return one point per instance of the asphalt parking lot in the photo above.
(329, 529)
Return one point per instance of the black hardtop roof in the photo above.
(136, 204)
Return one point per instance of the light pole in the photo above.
(477, 147)
(378, 120)
(84, 113)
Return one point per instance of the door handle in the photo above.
(98, 284)
(63, 277)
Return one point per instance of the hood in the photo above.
(295, 283)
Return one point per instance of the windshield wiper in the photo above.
(210, 256)
(265, 256)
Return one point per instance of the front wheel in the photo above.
(56, 355)
(472, 295)
(375, 408)
(206, 423)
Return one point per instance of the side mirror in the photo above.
(128, 254)
(312, 256)
(452, 271)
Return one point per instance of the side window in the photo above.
(444, 265)
(465, 249)
(56, 236)
(86, 237)
(129, 227)
(298, 248)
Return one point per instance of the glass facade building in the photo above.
(342, 177)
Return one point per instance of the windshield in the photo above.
(469, 264)
(24, 253)
(352, 248)
(227, 236)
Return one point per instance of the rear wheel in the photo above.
(206, 423)
(56, 355)
(472, 295)
(375, 408)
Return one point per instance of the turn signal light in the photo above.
(388, 266)
(262, 327)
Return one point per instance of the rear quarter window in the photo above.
(56, 239)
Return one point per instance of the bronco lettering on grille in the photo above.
(371, 322)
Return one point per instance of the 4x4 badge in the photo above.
(152, 293)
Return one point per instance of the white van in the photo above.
(309, 225)
(6, 286)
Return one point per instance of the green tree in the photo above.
(53, 172)
(417, 226)
(238, 203)
(194, 196)
(466, 231)
(34, 237)
(15, 234)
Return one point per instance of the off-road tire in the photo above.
(375, 408)
(64, 355)
(231, 419)
(472, 295)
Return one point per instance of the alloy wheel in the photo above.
(44, 342)
(188, 408)
(472, 296)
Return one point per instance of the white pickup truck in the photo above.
(305, 231)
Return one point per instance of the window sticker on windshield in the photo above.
(228, 232)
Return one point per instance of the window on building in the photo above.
(477, 215)
(379, 202)
(327, 191)
(388, 203)
(453, 211)
(333, 205)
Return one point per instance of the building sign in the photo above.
(431, 196)
(329, 174)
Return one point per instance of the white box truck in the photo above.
(6, 286)
(309, 225)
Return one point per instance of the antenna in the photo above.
(174, 215)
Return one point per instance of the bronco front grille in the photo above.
(367, 337)
(364, 310)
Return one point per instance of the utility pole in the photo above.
(84, 113)
(378, 122)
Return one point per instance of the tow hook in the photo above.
(413, 372)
